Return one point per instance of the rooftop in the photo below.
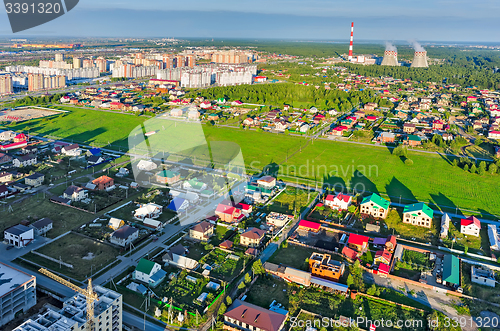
(11, 278)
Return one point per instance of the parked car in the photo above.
(10, 247)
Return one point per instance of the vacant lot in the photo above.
(409, 231)
(86, 255)
(36, 207)
(293, 256)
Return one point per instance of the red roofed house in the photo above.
(228, 214)
(309, 226)
(371, 118)
(358, 242)
(116, 105)
(242, 315)
(382, 256)
(340, 201)
(339, 130)
(494, 134)
(20, 138)
(227, 244)
(470, 226)
(252, 237)
(383, 269)
(349, 253)
(438, 125)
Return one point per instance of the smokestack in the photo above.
(350, 44)
(390, 55)
(420, 60)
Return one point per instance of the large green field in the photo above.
(431, 178)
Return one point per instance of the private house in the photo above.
(252, 237)
(150, 210)
(42, 226)
(24, 160)
(146, 165)
(194, 185)
(35, 179)
(493, 237)
(75, 193)
(309, 226)
(7, 135)
(19, 235)
(383, 270)
(168, 177)
(115, 223)
(338, 202)
(104, 183)
(386, 137)
(175, 257)
(418, 214)
(4, 158)
(226, 244)
(149, 272)
(95, 159)
(5, 177)
(382, 256)
(228, 214)
(277, 219)
(323, 266)
(482, 276)
(470, 226)
(266, 182)
(349, 253)
(244, 316)
(358, 242)
(202, 231)
(178, 204)
(71, 150)
(124, 236)
(390, 243)
(409, 128)
(451, 270)
(445, 225)
(374, 206)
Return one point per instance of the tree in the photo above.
(473, 169)
(350, 279)
(466, 167)
(482, 167)
(372, 290)
(229, 300)
(400, 151)
(409, 162)
(257, 267)
(466, 249)
(455, 162)
(478, 141)
(248, 279)
(241, 285)
(222, 308)
(493, 168)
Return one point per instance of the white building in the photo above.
(24, 161)
(150, 210)
(445, 225)
(146, 165)
(19, 235)
(17, 293)
(75, 193)
(493, 237)
(149, 272)
(42, 226)
(277, 219)
(470, 226)
(73, 315)
(124, 236)
(340, 201)
(482, 276)
(71, 150)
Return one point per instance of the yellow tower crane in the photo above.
(89, 294)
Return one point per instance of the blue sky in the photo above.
(433, 20)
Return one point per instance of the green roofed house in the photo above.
(413, 140)
(418, 214)
(194, 185)
(375, 206)
(168, 177)
(451, 270)
(149, 272)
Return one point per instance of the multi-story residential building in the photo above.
(75, 193)
(252, 237)
(124, 236)
(103, 183)
(6, 86)
(42, 226)
(339, 201)
(202, 231)
(470, 226)
(35, 179)
(358, 242)
(17, 293)
(168, 177)
(277, 219)
(323, 266)
(73, 315)
(19, 235)
(418, 214)
(243, 316)
(375, 206)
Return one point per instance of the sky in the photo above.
(424, 20)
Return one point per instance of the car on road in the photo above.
(10, 247)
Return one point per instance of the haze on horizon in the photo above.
(431, 20)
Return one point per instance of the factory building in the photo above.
(73, 315)
(390, 58)
(17, 292)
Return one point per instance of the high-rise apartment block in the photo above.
(6, 84)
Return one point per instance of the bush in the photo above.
(409, 162)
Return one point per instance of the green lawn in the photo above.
(289, 200)
(64, 218)
(293, 256)
(72, 248)
(475, 244)
(410, 231)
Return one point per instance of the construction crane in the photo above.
(88, 293)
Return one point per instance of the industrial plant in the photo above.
(390, 55)
(420, 57)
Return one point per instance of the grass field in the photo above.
(293, 256)
(72, 248)
(431, 178)
(64, 218)
(476, 245)
(409, 231)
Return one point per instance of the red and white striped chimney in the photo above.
(350, 44)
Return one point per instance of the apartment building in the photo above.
(73, 315)
(323, 266)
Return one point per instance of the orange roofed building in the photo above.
(103, 182)
(323, 266)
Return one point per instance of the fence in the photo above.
(53, 260)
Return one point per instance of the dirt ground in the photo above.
(19, 115)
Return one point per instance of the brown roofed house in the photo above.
(202, 231)
(252, 237)
(246, 316)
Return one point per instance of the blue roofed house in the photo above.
(178, 204)
(149, 272)
(94, 152)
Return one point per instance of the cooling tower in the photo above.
(390, 58)
(420, 60)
